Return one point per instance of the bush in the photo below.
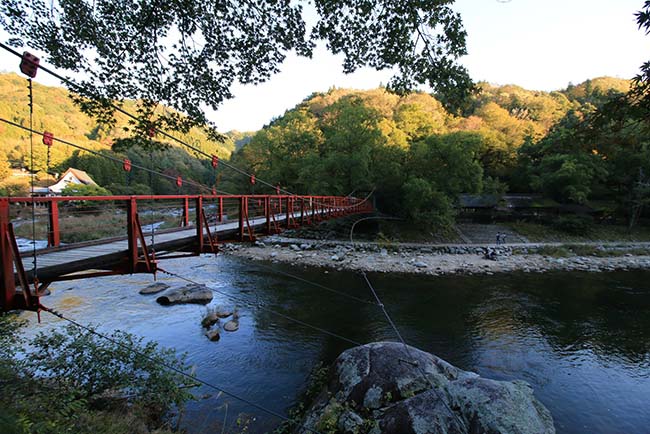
(84, 190)
(74, 381)
(554, 251)
(89, 366)
(574, 225)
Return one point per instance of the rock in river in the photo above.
(231, 326)
(213, 334)
(382, 387)
(191, 293)
(154, 288)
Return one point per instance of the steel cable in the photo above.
(399, 335)
(262, 307)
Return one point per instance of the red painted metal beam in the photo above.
(53, 235)
(8, 281)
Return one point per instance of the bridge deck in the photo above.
(104, 254)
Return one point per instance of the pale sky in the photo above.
(537, 44)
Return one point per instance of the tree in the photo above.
(427, 205)
(5, 168)
(449, 162)
(281, 149)
(351, 134)
(188, 53)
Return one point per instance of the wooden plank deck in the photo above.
(106, 254)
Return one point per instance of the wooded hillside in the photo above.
(418, 157)
(54, 111)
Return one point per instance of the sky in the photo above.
(536, 44)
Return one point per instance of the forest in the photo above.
(578, 145)
(582, 145)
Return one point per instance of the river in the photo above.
(581, 340)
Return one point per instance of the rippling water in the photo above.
(581, 340)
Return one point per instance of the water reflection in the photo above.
(581, 340)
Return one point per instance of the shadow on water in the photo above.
(581, 340)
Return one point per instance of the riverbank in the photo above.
(442, 259)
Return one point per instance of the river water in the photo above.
(581, 340)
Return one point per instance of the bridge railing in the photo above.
(39, 226)
(57, 221)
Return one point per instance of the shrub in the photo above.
(74, 381)
(84, 190)
(426, 205)
(574, 225)
(554, 251)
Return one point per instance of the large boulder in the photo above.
(191, 293)
(388, 388)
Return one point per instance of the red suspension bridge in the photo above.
(202, 223)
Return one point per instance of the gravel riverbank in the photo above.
(440, 259)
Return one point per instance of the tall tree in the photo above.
(188, 53)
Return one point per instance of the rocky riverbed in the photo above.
(446, 259)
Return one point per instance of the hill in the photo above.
(54, 111)
(417, 157)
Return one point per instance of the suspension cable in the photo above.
(399, 335)
(260, 306)
(31, 170)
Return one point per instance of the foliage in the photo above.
(427, 205)
(5, 168)
(413, 153)
(84, 190)
(554, 251)
(574, 225)
(560, 144)
(87, 366)
(14, 187)
(55, 112)
(72, 381)
(536, 232)
(10, 325)
(187, 54)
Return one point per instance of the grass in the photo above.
(79, 225)
(555, 251)
(397, 231)
(536, 232)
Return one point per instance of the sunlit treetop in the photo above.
(187, 54)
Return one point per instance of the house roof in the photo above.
(82, 176)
